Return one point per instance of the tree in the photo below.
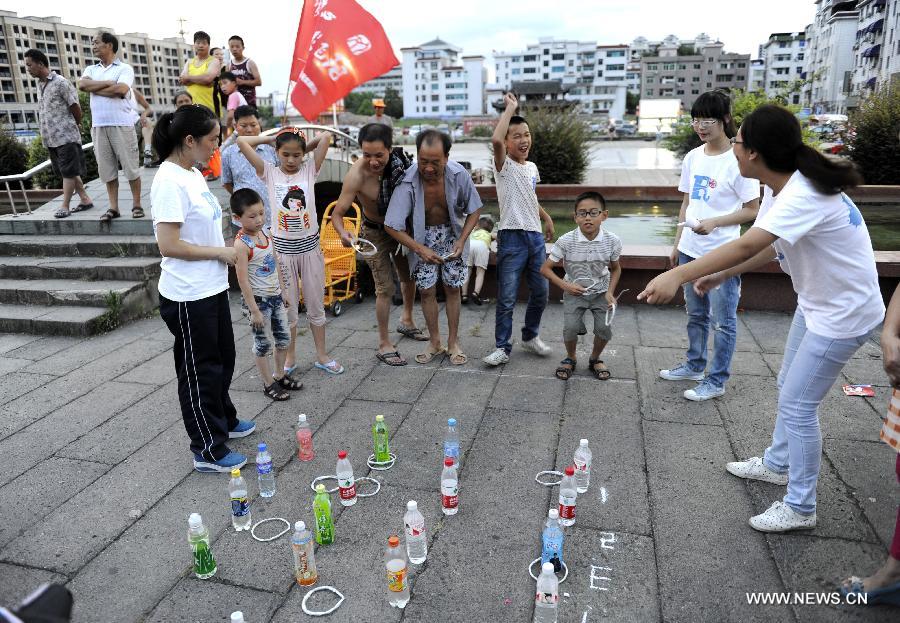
(37, 153)
(13, 154)
(393, 103)
(266, 116)
(560, 145)
(874, 144)
(631, 102)
(356, 101)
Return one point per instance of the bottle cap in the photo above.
(236, 473)
(301, 418)
(320, 488)
(412, 505)
(570, 471)
(451, 422)
(342, 454)
(195, 520)
(448, 462)
(262, 447)
(547, 567)
(237, 617)
(300, 526)
(553, 513)
(584, 443)
(379, 418)
(394, 541)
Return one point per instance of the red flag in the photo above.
(339, 46)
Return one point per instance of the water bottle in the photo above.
(237, 617)
(264, 472)
(304, 558)
(380, 437)
(568, 493)
(546, 599)
(397, 573)
(552, 541)
(240, 503)
(416, 543)
(322, 511)
(449, 488)
(451, 441)
(304, 440)
(346, 484)
(198, 538)
(583, 457)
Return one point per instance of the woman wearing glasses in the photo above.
(820, 239)
(717, 199)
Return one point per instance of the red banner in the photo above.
(339, 46)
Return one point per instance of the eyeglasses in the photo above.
(703, 123)
(585, 213)
(733, 140)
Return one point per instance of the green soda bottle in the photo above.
(322, 510)
(380, 435)
(198, 537)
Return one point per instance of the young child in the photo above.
(295, 227)
(258, 277)
(228, 85)
(590, 255)
(479, 254)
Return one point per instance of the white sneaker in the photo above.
(536, 345)
(704, 391)
(780, 518)
(755, 469)
(496, 358)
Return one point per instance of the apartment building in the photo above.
(830, 58)
(439, 82)
(784, 58)
(393, 79)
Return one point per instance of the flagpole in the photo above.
(334, 115)
(287, 95)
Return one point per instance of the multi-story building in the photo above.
(830, 56)
(393, 79)
(784, 57)
(438, 81)
(757, 81)
(891, 46)
(874, 46)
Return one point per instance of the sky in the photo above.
(477, 26)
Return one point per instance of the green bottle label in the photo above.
(324, 524)
(382, 449)
(204, 563)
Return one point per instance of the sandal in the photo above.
(601, 374)
(332, 367)
(109, 215)
(428, 355)
(885, 595)
(392, 359)
(458, 358)
(137, 212)
(82, 206)
(414, 333)
(274, 392)
(289, 382)
(63, 213)
(565, 369)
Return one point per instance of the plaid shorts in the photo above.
(440, 239)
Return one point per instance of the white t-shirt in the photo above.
(823, 244)
(295, 226)
(181, 196)
(716, 188)
(110, 111)
(516, 183)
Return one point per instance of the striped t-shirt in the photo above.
(587, 259)
(292, 197)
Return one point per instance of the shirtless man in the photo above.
(439, 195)
(363, 183)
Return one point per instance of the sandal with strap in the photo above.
(601, 374)
(565, 369)
(109, 215)
(289, 382)
(275, 392)
(137, 212)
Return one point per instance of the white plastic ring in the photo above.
(316, 481)
(365, 247)
(548, 472)
(381, 465)
(271, 538)
(332, 589)
(534, 577)
(368, 495)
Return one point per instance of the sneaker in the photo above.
(704, 391)
(755, 469)
(497, 357)
(681, 373)
(536, 345)
(232, 460)
(780, 518)
(242, 429)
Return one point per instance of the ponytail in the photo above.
(174, 127)
(160, 139)
(774, 133)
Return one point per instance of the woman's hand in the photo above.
(228, 255)
(661, 289)
(704, 285)
(890, 349)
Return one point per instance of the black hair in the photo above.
(245, 111)
(431, 136)
(715, 105)
(774, 133)
(591, 195)
(179, 94)
(213, 50)
(242, 199)
(108, 37)
(515, 120)
(38, 57)
(283, 138)
(236, 38)
(201, 36)
(227, 75)
(174, 127)
(295, 192)
(374, 132)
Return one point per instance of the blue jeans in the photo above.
(811, 365)
(519, 251)
(720, 306)
(274, 315)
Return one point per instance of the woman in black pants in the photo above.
(193, 286)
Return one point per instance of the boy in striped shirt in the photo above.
(590, 256)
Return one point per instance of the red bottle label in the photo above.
(347, 493)
(450, 501)
(566, 512)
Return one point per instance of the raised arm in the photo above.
(319, 147)
(498, 140)
(248, 144)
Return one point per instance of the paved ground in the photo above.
(96, 481)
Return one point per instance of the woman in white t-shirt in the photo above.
(819, 237)
(193, 286)
(717, 199)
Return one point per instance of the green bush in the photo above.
(481, 131)
(13, 154)
(560, 145)
(37, 153)
(875, 146)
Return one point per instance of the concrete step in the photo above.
(99, 246)
(74, 292)
(57, 320)
(87, 223)
(84, 268)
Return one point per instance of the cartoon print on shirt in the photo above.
(702, 185)
(294, 216)
(855, 215)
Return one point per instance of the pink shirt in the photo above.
(235, 100)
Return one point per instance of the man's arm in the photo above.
(255, 81)
(498, 140)
(211, 74)
(351, 186)
(75, 110)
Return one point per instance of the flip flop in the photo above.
(412, 332)
(81, 207)
(63, 213)
(332, 367)
(458, 358)
(392, 358)
(428, 356)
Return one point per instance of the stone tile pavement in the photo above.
(96, 481)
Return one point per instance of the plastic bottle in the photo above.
(449, 488)
(198, 537)
(304, 439)
(397, 572)
(304, 558)
(451, 441)
(240, 503)
(264, 472)
(552, 541)
(322, 511)
(237, 617)
(416, 542)
(568, 493)
(546, 599)
(380, 438)
(346, 483)
(583, 458)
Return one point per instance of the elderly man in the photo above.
(109, 83)
(441, 199)
(379, 116)
(60, 118)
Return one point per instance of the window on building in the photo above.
(434, 65)
(668, 66)
(546, 50)
(546, 76)
(435, 98)
(648, 92)
(530, 70)
(652, 66)
(528, 58)
(618, 67)
(600, 74)
(435, 87)
(546, 63)
(742, 65)
(516, 71)
(558, 70)
(709, 72)
(695, 91)
(615, 53)
(435, 108)
(696, 65)
(679, 92)
(682, 66)
(649, 80)
(557, 57)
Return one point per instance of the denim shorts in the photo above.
(275, 315)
